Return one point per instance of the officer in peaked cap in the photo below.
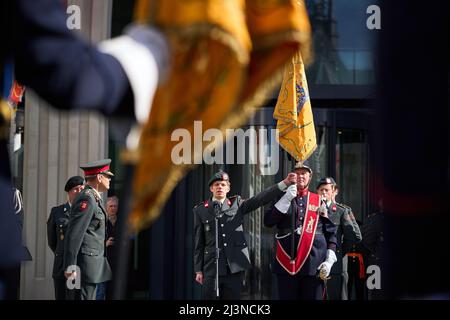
(56, 229)
(305, 239)
(97, 167)
(348, 234)
(85, 245)
(228, 213)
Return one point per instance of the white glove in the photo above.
(323, 210)
(325, 267)
(145, 68)
(283, 204)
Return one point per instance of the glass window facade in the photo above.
(343, 45)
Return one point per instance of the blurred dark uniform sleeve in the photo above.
(61, 67)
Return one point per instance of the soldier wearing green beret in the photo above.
(233, 251)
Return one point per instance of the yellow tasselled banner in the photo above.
(295, 122)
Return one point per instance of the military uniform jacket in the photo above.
(56, 231)
(324, 238)
(85, 238)
(232, 243)
(348, 232)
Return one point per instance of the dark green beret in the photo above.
(326, 180)
(218, 176)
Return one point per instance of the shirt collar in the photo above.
(95, 190)
(221, 201)
(302, 192)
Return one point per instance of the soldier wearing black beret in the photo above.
(348, 234)
(233, 254)
(56, 229)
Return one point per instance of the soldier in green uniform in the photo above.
(348, 232)
(233, 250)
(85, 235)
(56, 229)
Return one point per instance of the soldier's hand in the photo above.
(290, 179)
(324, 270)
(199, 277)
(70, 275)
(110, 241)
(323, 211)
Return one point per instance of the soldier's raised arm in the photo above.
(266, 196)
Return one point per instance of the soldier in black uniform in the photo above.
(56, 229)
(356, 269)
(347, 231)
(86, 231)
(234, 256)
(300, 268)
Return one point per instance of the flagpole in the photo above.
(292, 235)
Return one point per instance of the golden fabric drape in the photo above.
(227, 57)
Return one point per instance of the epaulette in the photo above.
(232, 199)
(344, 206)
(86, 193)
(90, 193)
(204, 203)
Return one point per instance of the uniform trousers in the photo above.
(355, 281)
(62, 292)
(88, 291)
(230, 286)
(299, 287)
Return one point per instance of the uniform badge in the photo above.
(83, 205)
(333, 208)
(313, 207)
(310, 225)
